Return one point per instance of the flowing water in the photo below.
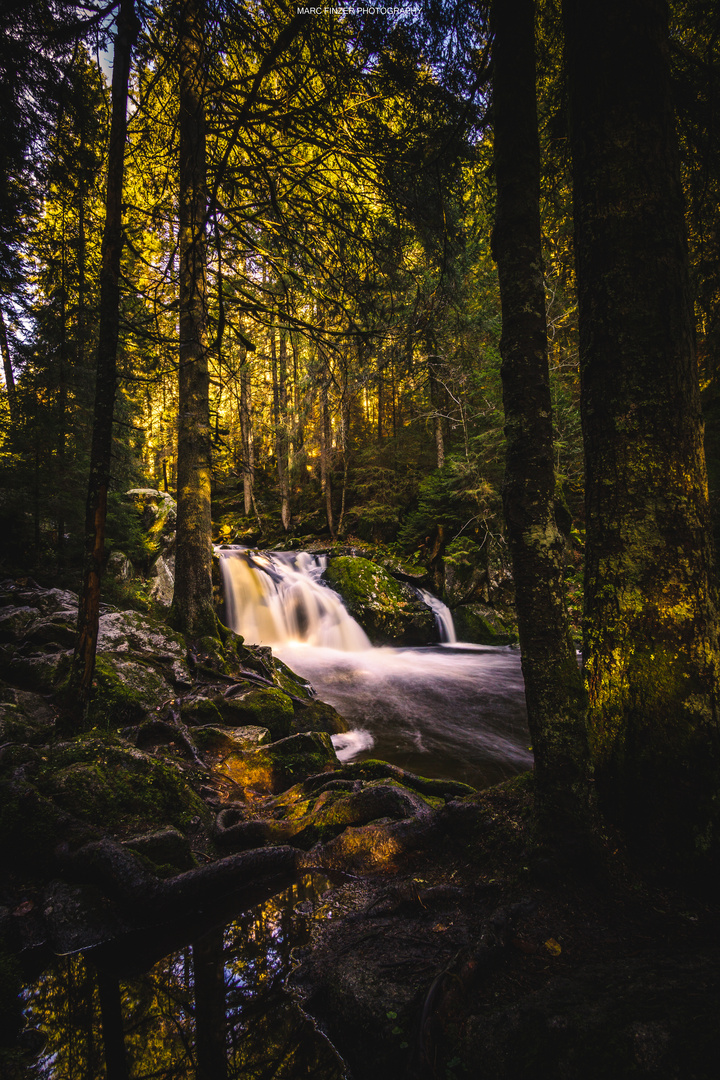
(217, 1005)
(452, 710)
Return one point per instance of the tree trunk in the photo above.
(210, 1017)
(283, 441)
(298, 436)
(106, 379)
(279, 381)
(192, 607)
(112, 1025)
(326, 453)
(246, 436)
(553, 685)
(651, 650)
(8, 370)
(437, 417)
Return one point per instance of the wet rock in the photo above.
(271, 769)
(120, 787)
(261, 706)
(248, 737)
(481, 625)
(389, 611)
(165, 847)
(319, 716)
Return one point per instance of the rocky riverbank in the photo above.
(207, 778)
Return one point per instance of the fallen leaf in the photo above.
(25, 908)
(553, 947)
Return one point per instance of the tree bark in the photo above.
(106, 379)
(651, 649)
(246, 435)
(210, 1016)
(326, 452)
(553, 685)
(192, 607)
(279, 379)
(8, 370)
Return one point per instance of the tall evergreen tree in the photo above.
(651, 631)
(106, 379)
(192, 609)
(553, 684)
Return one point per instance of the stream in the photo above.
(453, 710)
(217, 1006)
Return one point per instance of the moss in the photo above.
(480, 625)
(288, 681)
(113, 703)
(120, 789)
(318, 716)
(200, 711)
(389, 611)
(262, 707)
(272, 769)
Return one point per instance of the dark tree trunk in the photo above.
(192, 608)
(437, 416)
(210, 1017)
(283, 440)
(279, 380)
(246, 435)
(651, 652)
(326, 452)
(112, 1025)
(553, 685)
(106, 379)
(8, 370)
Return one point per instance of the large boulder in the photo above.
(481, 625)
(268, 770)
(157, 511)
(389, 611)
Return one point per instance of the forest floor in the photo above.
(485, 955)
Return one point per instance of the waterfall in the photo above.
(436, 711)
(277, 598)
(443, 617)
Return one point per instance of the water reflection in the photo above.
(215, 1009)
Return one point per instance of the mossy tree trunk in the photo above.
(106, 377)
(553, 684)
(192, 607)
(651, 650)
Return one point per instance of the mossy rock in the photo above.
(120, 788)
(271, 769)
(30, 827)
(199, 711)
(289, 681)
(28, 667)
(166, 849)
(124, 692)
(157, 513)
(319, 716)
(389, 611)
(480, 625)
(248, 737)
(266, 707)
(24, 717)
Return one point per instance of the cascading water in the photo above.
(443, 617)
(456, 710)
